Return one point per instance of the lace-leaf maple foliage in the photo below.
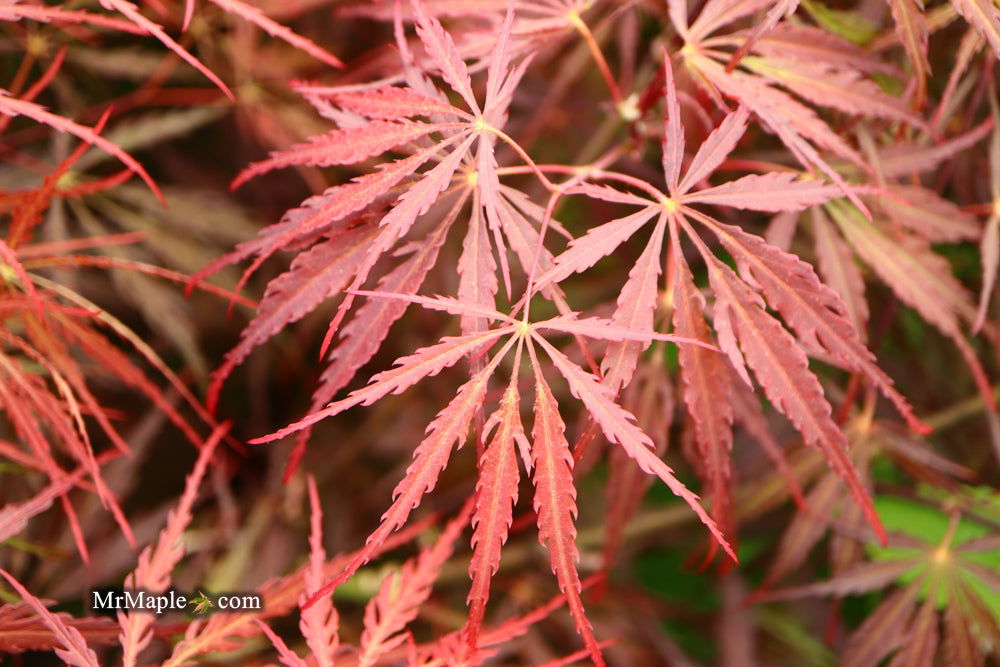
(745, 203)
(367, 218)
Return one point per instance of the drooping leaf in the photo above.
(984, 16)
(619, 428)
(14, 516)
(257, 17)
(314, 276)
(555, 503)
(448, 429)
(933, 217)
(11, 106)
(400, 595)
(840, 271)
(74, 650)
(814, 311)
(361, 338)
(911, 28)
(921, 278)
(707, 394)
(320, 624)
(157, 562)
(782, 370)
(496, 495)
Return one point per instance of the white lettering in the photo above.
(107, 603)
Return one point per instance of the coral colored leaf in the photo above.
(344, 146)
(448, 429)
(9, 257)
(131, 12)
(679, 16)
(74, 649)
(321, 211)
(635, 307)
(920, 278)
(279, 597)
(442, 50)
(673, 133)
(707, 393)
(14, 12)
(718, 13)
(814, 311)
(22, 630)
(984, 16)
(488, 195)
(320, 623)
(391, 103)
(778, 10)
(607, 193)
(840, 89)
(900, 159)
(840, 271)
(477, 283)
(619, 427)
(362, 337)
(598, 242)
(411, 369)
(788, 41)
(258, 18)
(324, 211)
(555, 503)
(285, 654)
(782, 369)
(315, 275)
(453, 648)
(157, 562)
(496, 495)
(11, 106)
(401, 594)
(14, 516)
(911, 28)
(412, 204)
(795, 124)
(716, 147)
(773, 192)
(600, 328)
(928, 214)
(520, 217)
(499, 64)
(443, 303)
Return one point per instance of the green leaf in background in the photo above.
(929, 524)
(848, 25)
